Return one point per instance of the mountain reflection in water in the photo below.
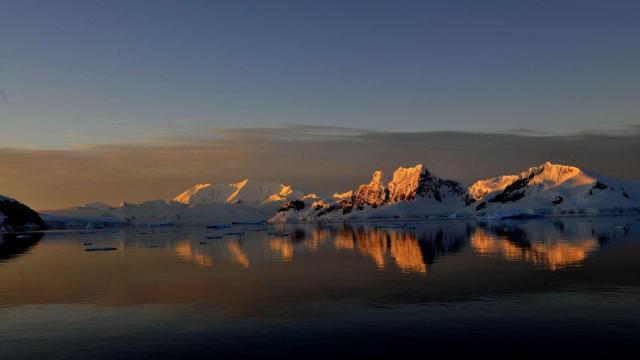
(412, 248)
(379, 244)
(554, 253)
(323, 289)
(14, 245)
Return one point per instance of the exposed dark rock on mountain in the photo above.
(292, 205)
(554, 189)
(514, 191)
(408, 184)
(412, 186)
(15, 216)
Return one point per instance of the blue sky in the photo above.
(101, 72)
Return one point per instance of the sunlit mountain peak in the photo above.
(246, 191)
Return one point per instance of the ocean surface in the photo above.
(549, 286)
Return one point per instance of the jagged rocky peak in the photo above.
(442, 189)
(374, 193)
(406, 183)
(417, 181)
(412, 191)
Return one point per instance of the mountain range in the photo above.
(247, 201)
(410, 192)
(544, 190)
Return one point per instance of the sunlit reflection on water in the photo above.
(554, 254)
(185, 251)
(283, 248)
(409, 249)
(292, 276)
(237, 255)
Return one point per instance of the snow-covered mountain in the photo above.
(245, 201)
(411, 192)
(247, 191)
(16, 216)
(547, 189)
(551, 189)
(155, 212)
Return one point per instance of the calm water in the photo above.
(543, 286)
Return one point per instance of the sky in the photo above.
(76, 76)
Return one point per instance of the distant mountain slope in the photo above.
(155, 212)
(15, 216)
(244, 201)
(247, 191)
(554, 189)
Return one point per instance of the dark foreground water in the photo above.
(557, 287)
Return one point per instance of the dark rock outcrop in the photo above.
(292, 205)
(515, 190)
(15, 216)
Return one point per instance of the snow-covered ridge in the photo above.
(547, 174)
(245, 201)
(551, 189)
(155, 212)
(481, 188)
(246, 191)
(186, 196)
